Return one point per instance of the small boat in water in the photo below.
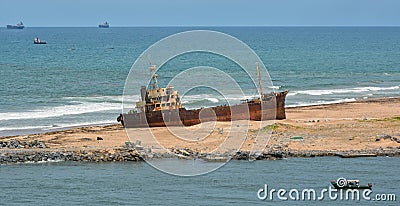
(38, 41)
(342, 183)
(104, 25)
(20, 25)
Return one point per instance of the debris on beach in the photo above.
(298, 138)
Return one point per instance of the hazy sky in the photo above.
(201, 12)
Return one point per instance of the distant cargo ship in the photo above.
(104, 25)
(161, 107)
(20, 25)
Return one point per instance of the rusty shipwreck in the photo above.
(159, 107)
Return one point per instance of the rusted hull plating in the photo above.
(267, 110)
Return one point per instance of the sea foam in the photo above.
(57, 111)
(342, 91)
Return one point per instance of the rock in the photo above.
(278, 155)
(394, 139)
(41, 145)
(276, 147)
(86, 139)
(99, 138)
(184, 152)
(129, 145)
(33, 143)
(384, 136)
(241, 155)
(14, 143)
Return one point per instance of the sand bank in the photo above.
(366, 126)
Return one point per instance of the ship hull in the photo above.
(360, 187)
(14, 27)
(266, 110)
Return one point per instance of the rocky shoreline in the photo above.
(280, 154)
(42, 155)
(13, 156)
(17, 144)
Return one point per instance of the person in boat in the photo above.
(37, 40)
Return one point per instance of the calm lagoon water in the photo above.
(236, 183)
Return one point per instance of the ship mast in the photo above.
(154, 76)
(259, 80)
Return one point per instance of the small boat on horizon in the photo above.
(104, 25)
(38, 41)
(20, 25)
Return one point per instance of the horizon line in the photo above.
(127, 26)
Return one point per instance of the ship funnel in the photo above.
(143, 93)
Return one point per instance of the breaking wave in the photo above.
(342, 91)
(57, 111)
(301, 104)
(57, 126)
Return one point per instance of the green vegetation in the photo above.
(396, 118)
(270, 127)
(389, 119)
(266, 128)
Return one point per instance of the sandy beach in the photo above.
(364, 126)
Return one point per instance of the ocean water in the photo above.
(78, 78)
(236, 183)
